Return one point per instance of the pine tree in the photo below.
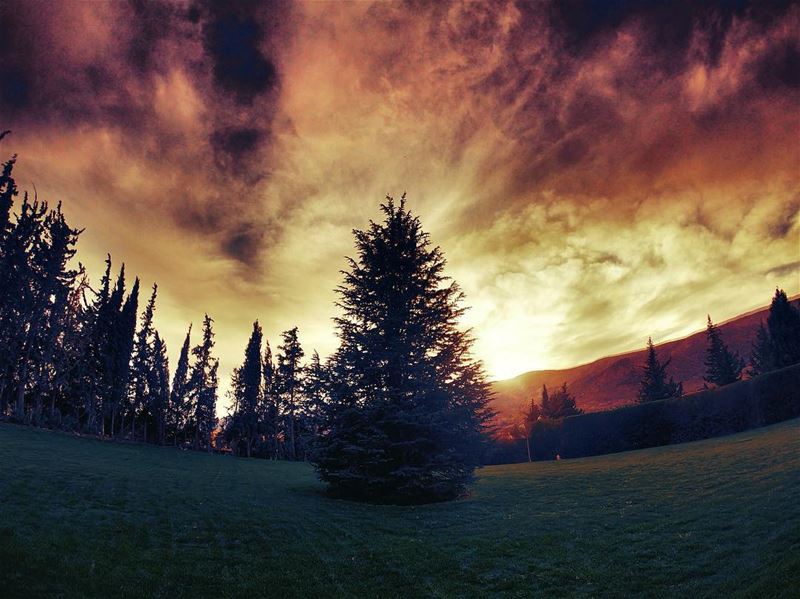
(784, 330)
(723, 366)
(546, 406)
(203, 388)
(559, 404)
(289, 380)
(179, 400)
(408, 408)
(762, 358)
(654, 385)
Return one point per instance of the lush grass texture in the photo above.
(82, 517)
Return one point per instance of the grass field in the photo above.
(83, 517)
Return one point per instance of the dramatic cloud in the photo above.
(595, 172)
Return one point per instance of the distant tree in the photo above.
(247, 395)
(559, 404)
(120, 346)
(784, 330)
(179, 398)
(269, 410)
(723, 366)
(654, 385)
(316, 384)
(203, 388)
(762, 358)
(143, 367)
(408, 408)
(157, 405)
(530, 416)
(8, 191)
(289, 380)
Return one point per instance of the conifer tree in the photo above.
(547, 407)
(723, 366)
(316, 384)
(762, 358)
(179, 400)
(559, 404)
(203, 388)
(158, 389)
(408, 407)
(784, 330)
(8, 191)
(269, 412)
(247, 394)
(289, 381)
(654, 385)
(120, 347)
(143, 365)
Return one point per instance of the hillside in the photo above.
(89, 518)
(613, 381)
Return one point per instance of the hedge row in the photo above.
(764, 400)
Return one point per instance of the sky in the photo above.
(595, 172)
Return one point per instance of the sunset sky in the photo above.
(594, 172)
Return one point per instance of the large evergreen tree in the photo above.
(723, 366)
(408, 408)
(655, 385)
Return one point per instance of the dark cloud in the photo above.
(780, 67)
(784, 269)
(192, 93)
(785, 221)
(236, 141)
(244, 244)
(234, 39)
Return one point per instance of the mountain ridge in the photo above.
(612, 381)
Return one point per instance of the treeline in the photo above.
(398, 413)
(276, 403)
(776, 346)
(83, 359)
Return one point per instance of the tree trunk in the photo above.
(528, 444)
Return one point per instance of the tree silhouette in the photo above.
(559, 404)
(654, 385)
(723, 366)
(408, 408)
(784, 330)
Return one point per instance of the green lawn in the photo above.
(82, 517)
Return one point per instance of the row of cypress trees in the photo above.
(72, 355)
